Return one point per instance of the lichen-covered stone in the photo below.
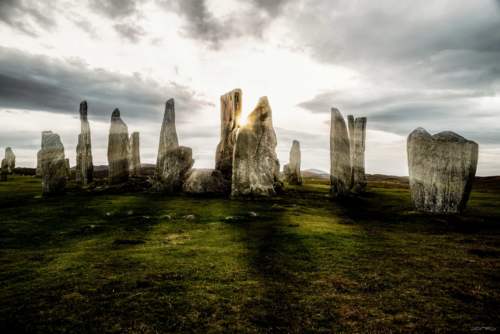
(292, 169)
(358, 140)
(340, 155)
(176, 164)
(134, 155)
(168, 135)
(84, 171)
(118, 169)
(39, 155)
(230, 119)
(442, 168)
(53, 164)
(255, 163)
(10, 160)
(206, 181)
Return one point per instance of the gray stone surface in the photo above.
(255, 164)
(53, 164)
(4, 170)
(340, 155)
(292, 169)
(84, 171)
(39, 155)
(442, 168)
(230, 120)
(118, 169)
(134, 155)
(10, 160)
(358, 142)
(176, 164)
(168, 135)
(206, 181)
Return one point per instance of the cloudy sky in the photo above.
(403, 64)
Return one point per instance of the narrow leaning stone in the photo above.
(84, 171)
(442, 169)
(134, 155)
(230, 112)
(340, 156)
(255, 164)
(168, 135)
(118, 169)
(292, 169)
(358, 141)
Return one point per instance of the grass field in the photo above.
(300, 262)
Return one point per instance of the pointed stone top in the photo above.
(83, 110)
(262, 112)
(295, 143)
(335, 110)
(134, 134)
(115, 114)
(169, 115)
(170, 104)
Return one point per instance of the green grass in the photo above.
(134, 263)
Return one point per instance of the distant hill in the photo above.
(315, 173)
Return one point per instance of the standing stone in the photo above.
(255, 163)
(442, 168)
(174, 162)
(39, 171)
(10, 159)
(53, 164)
(340, 156)
(168, 135)
(230, 112)
(134, 155)
(4, 171)
(292, 169)
(117, 149)
(357, 139)
(84, 165)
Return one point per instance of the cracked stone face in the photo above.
(442, 168)
(134, 154)
(292, 169)
(340, 155)
(84, 171)
(53, 164)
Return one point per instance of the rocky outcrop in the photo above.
(10, 160)
(176, 164)
(292, 169)
(134, 155)
(340, 155)
(117, 150)
(53, 164)
(168, 135)
(84, 171)
(442, 168)
(255, 163)
(206, 181)
(230, 112)
(357, 132)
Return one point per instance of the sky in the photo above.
(402, 64)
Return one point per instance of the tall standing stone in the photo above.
(230, 112)
(39, 171)
(134, 155)
(53, 164)
(118, 149)
(340, 156)
(255, 163)
(292, 169)
(174, 162)
(442, 168)
(4, 170)
(10, 159)
(358, 142)
(84, 165)
(168, 135)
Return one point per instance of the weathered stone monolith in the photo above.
(10, 159)
(67, 167)
(442, 168)
(4, 170)
(168, 135)
(255, 163)
(340, 156)
(230, 112)
(357, 132)
(53, 164)
(174, 162)
(39, 171)
(206, 181)
(292, 169)
(84, 172)
(117, 149)
(134, 155)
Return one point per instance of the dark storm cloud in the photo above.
(41, 83)
(129, 31)
(26, 16)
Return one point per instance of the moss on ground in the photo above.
(300, 262)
